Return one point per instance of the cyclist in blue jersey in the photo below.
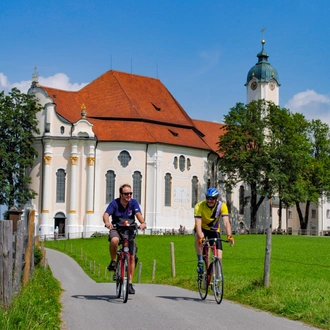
(124, 207)
(207, 215)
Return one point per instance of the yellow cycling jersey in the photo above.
(210, 217)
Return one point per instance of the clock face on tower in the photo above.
(254, 85)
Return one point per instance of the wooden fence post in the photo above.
(29, 249)
(173, 259)
(18, 263)
(153, 270)
(43, 251)
(6, 261)
(140, 271)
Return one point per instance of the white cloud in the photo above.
(311, 104)
(59, 80)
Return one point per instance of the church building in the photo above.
(127, 128)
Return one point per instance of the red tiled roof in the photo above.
(128, 107)
(212, 132)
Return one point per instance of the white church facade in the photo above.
(126, 128)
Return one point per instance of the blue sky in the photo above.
(200, 50)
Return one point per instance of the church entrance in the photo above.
(59, 225)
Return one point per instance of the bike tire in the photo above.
(217, 280)
(118, 278)
(202, 283)
(125, 274)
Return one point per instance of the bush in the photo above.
(98, 234)
(37, 255)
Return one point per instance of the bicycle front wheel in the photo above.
(125, 273)
(118, 278)
(217, 280)
(202, 282)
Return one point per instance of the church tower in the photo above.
(262, 80)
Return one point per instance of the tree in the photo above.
(290, 150)
(267, 147)
(18, 123)
(316, 176)
(247, 155)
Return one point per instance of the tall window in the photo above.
(168, 189)
(188, 164)
(137, 180)
(212, 174)
(110, 178)
(182, 163)
(228, 201)
(194, 191)
(175, 162)
(124, 158)
(60, 186)
(241, 200)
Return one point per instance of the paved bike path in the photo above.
(90, 305)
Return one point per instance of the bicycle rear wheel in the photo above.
(125, 274)
(202, 282)
(118, 278)
(217, 280)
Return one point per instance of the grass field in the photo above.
(299, 279)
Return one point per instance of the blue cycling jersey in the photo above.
(117, 210)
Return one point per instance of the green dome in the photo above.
(263, 71)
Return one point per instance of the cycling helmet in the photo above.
(211, 192)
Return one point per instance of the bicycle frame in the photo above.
(213, 272)
(123, 261)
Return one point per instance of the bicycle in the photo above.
(213, 271)
(126, 232)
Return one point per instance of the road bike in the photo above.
(213, 272)
(127, 232)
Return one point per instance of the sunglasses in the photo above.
(127, 193)
(211, 198)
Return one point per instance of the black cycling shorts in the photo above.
(212, 234)
(132, 245)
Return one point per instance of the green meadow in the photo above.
(299, 271)
(299, 275)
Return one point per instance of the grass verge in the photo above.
(37, 306)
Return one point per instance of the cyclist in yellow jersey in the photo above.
(207, 223)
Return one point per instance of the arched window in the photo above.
(194, 191)
(182, 163)
(124, 158)
(212, 175)
(137, 181)
(110, 178)
(188, 164)
(241, 200)
(62, 129)
(168, 189)
(175, 162)
(60, 186)
(228, 201)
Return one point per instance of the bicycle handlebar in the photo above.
(204, 240)
(133, 226)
